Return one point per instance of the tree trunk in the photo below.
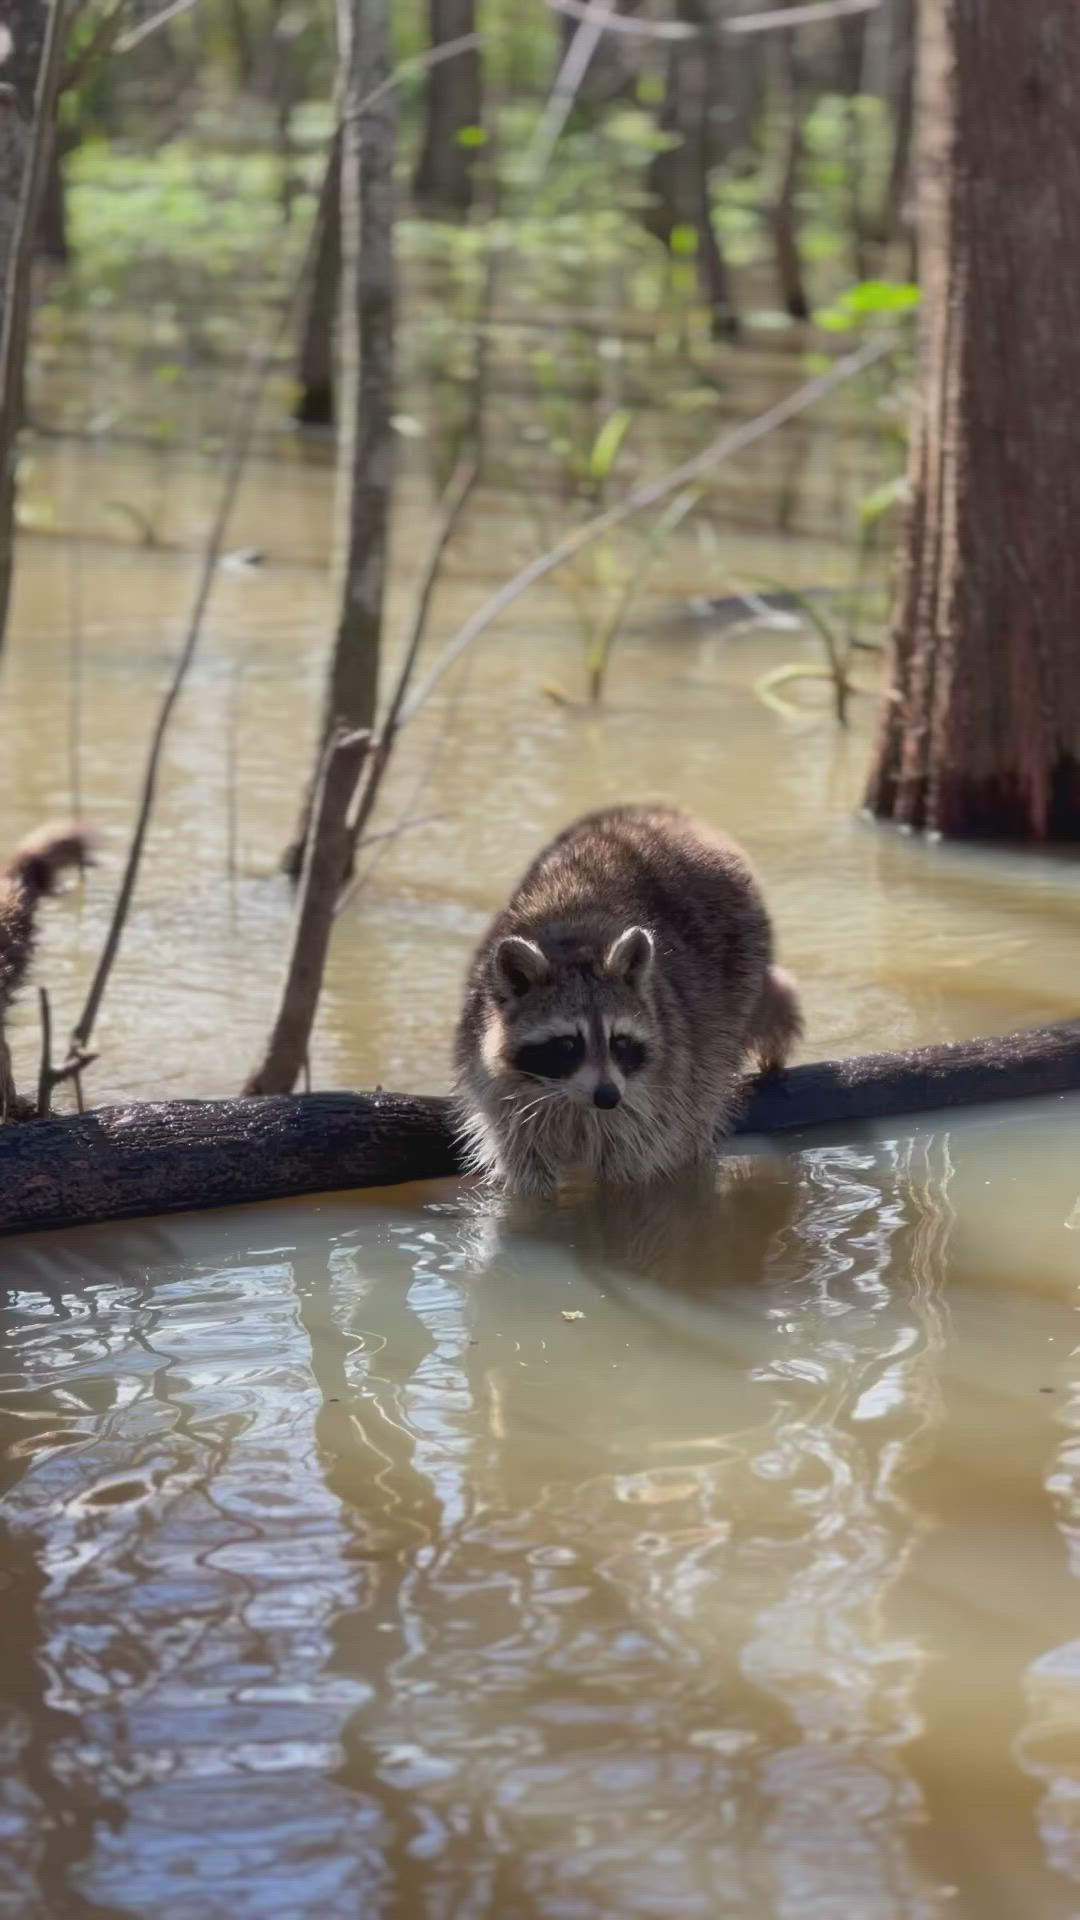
(328, 855)
(443, 181)
(679, 175)
(315, 364)
(53, 233)
(365, 432)
(28, 99)
(120, 1163)
(982, 733)
(789, 267)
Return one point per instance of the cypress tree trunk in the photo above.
(444, 172)
(982, 734)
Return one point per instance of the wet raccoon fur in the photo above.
(614, 1001)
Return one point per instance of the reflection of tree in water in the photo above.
(640, 1664)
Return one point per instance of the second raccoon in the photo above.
(614, 1001)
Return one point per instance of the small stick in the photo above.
(45, 1071)
(232, 793)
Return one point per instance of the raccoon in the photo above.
(29, 875)
(613, 1002)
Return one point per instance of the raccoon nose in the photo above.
(606, 1094)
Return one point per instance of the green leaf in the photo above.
(471, 137)
(683, 242)
(892, 493)
(605, 448)
(881, 296)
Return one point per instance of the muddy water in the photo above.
(895, 941)
(343, 1572)
(410, 1556)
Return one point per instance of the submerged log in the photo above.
(176, 1156)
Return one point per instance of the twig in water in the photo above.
(75, 653)
(232, 790)
(324, 864)
(649, 495)
(50, 1077)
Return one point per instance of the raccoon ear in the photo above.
(518, 965)
(631, 957)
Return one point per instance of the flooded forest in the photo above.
(422, 423)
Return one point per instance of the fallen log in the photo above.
(175, 1156)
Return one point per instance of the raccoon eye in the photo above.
(555, 1058)
(628, 1053)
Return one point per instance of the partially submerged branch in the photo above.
(177, 1156)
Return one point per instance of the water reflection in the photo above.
(439, 1556)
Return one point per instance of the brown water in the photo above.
(343, 1573)
(411, 1556)
(895, 941)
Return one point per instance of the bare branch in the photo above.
(324, 864)
(781, 19)
(45, 1071)
(650, 495)
(625, 24)
(99, 44)
(568, 80)
(419, 63)
(156, 21)
(236, 452)
(454, 502)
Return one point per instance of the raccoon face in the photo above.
(583, 1027)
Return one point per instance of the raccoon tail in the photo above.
(776, 1024)
(30, 874)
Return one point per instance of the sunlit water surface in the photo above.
(412, 1555)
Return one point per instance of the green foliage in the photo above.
(867, 301)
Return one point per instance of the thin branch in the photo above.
(779, 19)
(156, 21)
(237, 448)
(625, 24)
(419, 63)
(568, 81)
(50, 1077)
(100, 43)
(650, 495)
(454, 501)
(45, 1071)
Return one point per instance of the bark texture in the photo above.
(982, 733)
(443, 181)
(315, 361)
(182, 1155)
(328, 855)
(366, 440)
